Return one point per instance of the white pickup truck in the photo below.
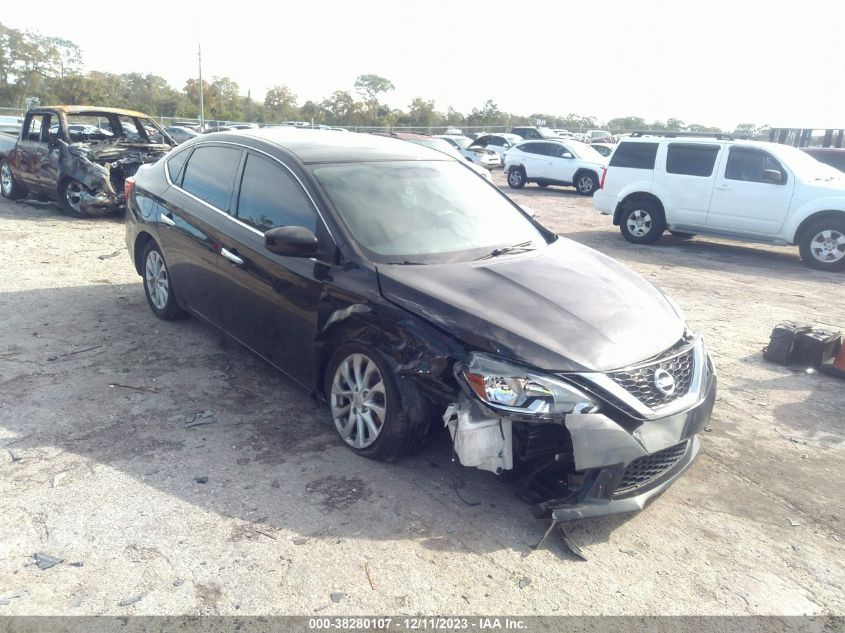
(761, 192)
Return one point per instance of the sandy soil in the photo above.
(101, 460)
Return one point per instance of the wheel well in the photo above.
(821, 215)
(140, 244)
(639, 196)
(519, 167)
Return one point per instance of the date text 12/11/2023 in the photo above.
(416, 623)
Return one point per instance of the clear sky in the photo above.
(714, 62)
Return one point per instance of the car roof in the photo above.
(316, 146)
(79, 109)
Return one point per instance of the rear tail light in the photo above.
(603, 174)
(129, 185)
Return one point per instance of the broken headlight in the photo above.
(507, 387)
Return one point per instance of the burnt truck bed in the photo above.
(79, 156)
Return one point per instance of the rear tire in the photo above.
(642, 222)
(9, 185)
(516, 178)
(377, 414)
(586, 183)
(822, 245)
(157, 285)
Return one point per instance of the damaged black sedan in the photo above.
(409, 293)
(80, 156)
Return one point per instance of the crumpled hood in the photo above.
(112, 150)
(564, 307)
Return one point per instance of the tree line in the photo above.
(51, 69)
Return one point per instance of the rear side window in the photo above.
(174, 166)
(270, 197)
(634, 155)
(210, 174)
(691, 160)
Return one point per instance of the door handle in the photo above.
(232, 256)
(723, 188)
(167, 219)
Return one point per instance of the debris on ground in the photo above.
(524, 582)
(15, 457)
(77, 563)
(131, 600)
(202, 479)
(570, 544)
(200, 419)
(300, 541)
(629, 552)
(337, 596)
(135, 387)
(793, 522)
(369, 573)
(46, 561)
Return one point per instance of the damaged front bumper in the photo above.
(597, 462)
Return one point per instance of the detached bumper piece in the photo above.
(617, 490)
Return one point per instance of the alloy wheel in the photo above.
(639, 223)
(828, 246)
(6, 179)
(515, 177)
(158, 285)
(585, 184)
(358, 401)
(73, 195)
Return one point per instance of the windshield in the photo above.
(805, 166)
(461, 141)
(440, 145)
(423, 211)
(584, 151)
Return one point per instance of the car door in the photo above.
(752, 194)
(561, 163)
(535, 160)
(190, 221)
(269, 301)
(37, 167)
(688, 171)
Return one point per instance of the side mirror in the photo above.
(773, 176)
(567, 155)
(291, 241)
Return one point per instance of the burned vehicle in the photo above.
(410, 294)
(80, 156)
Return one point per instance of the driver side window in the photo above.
(750, 165)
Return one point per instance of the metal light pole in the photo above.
(202, 111)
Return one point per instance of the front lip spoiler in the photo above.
(591, 508)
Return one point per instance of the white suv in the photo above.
(762, 192)
(555, 162)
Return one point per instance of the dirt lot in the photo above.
(101, 458)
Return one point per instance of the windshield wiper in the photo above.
(406, 263)
(522, 246)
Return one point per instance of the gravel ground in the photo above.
(174, 472)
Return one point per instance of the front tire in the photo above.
(516, 178)
(157, 286)
(9, 186)
(822, 245)
(642, 222)
(377, 415)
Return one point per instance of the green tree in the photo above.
(369, 87)
(280, 102)
(421, 113)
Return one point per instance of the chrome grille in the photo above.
(640, 381)
(646, 469)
